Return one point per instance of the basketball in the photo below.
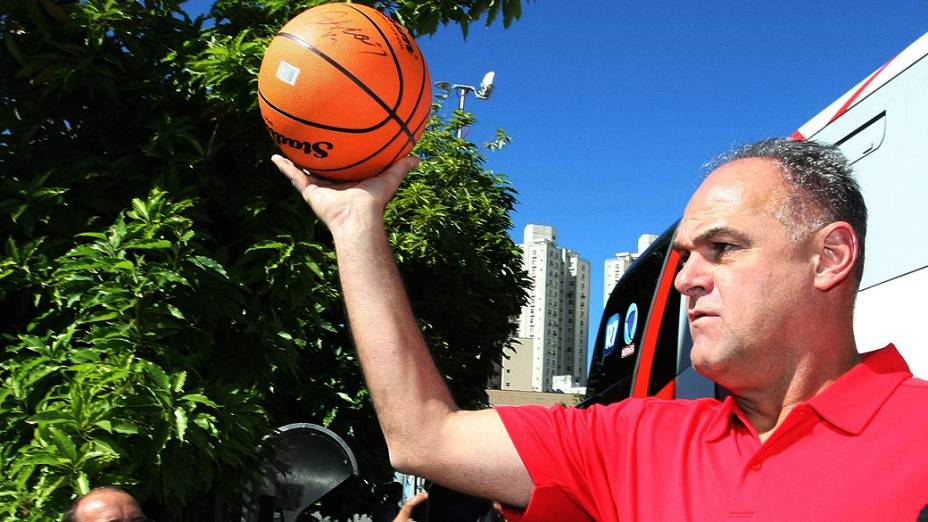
(344, 91)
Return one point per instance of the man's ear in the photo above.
(838, 251)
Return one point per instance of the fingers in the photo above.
(297, 177)
(406, 510)
(419, 498)
(302, 180)
(404, 165)
(395, 173)
(400, 167)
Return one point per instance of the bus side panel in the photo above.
(895, 312)
(886, 137)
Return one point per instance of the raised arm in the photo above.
(427, 435)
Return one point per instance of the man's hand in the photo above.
(405, 514)
(346, 204)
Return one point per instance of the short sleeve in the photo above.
(567, 452)
(549, 503)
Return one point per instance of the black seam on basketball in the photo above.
(317, 124)
(418, 127)
(421, 124)
(396, 62)
(311, 48)
(355, 164)
(377, 153)
(364, 159)
(422, 84)
(410, 136)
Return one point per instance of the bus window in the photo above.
(617, 349)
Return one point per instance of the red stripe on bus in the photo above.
(652, 329)
(850, 101)
(669, 391)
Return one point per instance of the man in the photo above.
(105, 504)
(772, 244)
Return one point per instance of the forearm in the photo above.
(427, 435)
(410, 396)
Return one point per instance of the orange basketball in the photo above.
(344, 91)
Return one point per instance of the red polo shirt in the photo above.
(856, 451)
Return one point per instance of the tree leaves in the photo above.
(126, 293)
(166, 298)
(424, 16)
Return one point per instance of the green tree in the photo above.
(166, 298)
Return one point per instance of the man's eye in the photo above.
(721, 248)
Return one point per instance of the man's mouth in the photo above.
(695, 315)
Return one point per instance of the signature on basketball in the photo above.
(338, 26)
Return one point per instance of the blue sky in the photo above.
(613, 106)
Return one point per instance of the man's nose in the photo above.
(693, 279)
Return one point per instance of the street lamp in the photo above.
(482, 92)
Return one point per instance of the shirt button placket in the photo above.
(752, 478)
(746, 498)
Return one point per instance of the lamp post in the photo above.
(482, 92)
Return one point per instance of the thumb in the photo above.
(395, 173)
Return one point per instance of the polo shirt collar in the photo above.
(721, 423)
(852, 401)
(849, 403)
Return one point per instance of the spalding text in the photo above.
(320, 149)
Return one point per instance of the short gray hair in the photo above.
(823, 186)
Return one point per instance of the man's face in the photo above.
(109, 506)
(746, 279)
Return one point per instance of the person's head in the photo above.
(820, 185)
(105, 504)
(772, 243)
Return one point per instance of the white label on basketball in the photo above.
(287, 73)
